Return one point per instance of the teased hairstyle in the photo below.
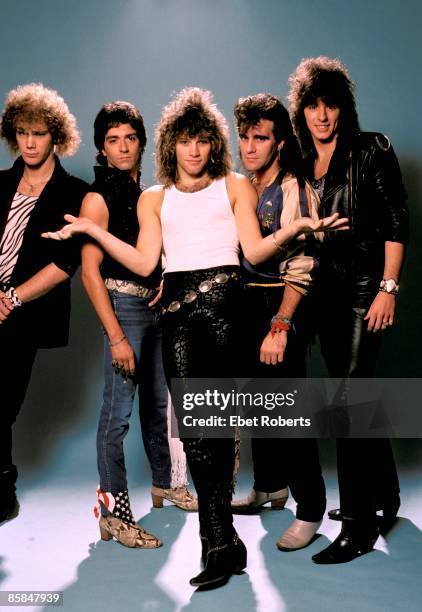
(328, 79)
(192, 113)
(113, 115)
(32, 103)
(249, 111)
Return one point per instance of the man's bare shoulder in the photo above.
(238, 186)
(235, 178)
(94, 205)
(93, 197)
(154, 189)
(152, 198)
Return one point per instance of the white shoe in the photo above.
(256, 499)
(298, 535)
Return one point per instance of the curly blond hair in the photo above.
(32, 103)
(191, 112)
(328, 79)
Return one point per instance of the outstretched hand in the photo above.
(76, 225)
(327, 224)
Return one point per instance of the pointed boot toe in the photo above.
(298, 535)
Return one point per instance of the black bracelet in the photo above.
(112, 344)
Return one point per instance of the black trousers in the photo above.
(281, 462)
(198, 342)
(18, 355)
(366, 469)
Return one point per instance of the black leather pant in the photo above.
(198, 342)
(18, 359)
(281, 462)
(367, 473)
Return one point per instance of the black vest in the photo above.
(121, 193)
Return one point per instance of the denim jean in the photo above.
(141, 327)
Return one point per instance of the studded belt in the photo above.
(205, 287)
(129, 287)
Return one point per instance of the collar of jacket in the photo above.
(106, 174)
(9, 181)
(338, 172)
(19, 166)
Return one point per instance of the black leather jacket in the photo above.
(364, 183)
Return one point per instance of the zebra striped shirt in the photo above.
(11, 241)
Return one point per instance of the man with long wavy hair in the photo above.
(356, 174)
(199, 214)
(35, 277)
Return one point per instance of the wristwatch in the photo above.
(389, 286)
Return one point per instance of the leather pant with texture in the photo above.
(198, 341)
(367, 473)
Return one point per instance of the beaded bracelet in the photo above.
(112, 344)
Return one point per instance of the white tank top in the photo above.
(199, 230)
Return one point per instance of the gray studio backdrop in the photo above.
(143, 50)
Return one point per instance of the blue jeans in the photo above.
(141, 327)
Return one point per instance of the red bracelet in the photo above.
(279, 326)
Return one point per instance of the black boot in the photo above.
(204, 550)
(211, 467)
(335, 514)
(356, 538)
(389, 511)
(222, 562)
(9, 505)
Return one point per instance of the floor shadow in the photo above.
(382, 581)
(3, 574)
(114, 578)
(237, 594)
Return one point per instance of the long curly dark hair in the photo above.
(327, 79)
(249, 111)
(191, 113)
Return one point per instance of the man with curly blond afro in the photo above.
(34, 273)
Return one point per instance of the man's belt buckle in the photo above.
(204, 287)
